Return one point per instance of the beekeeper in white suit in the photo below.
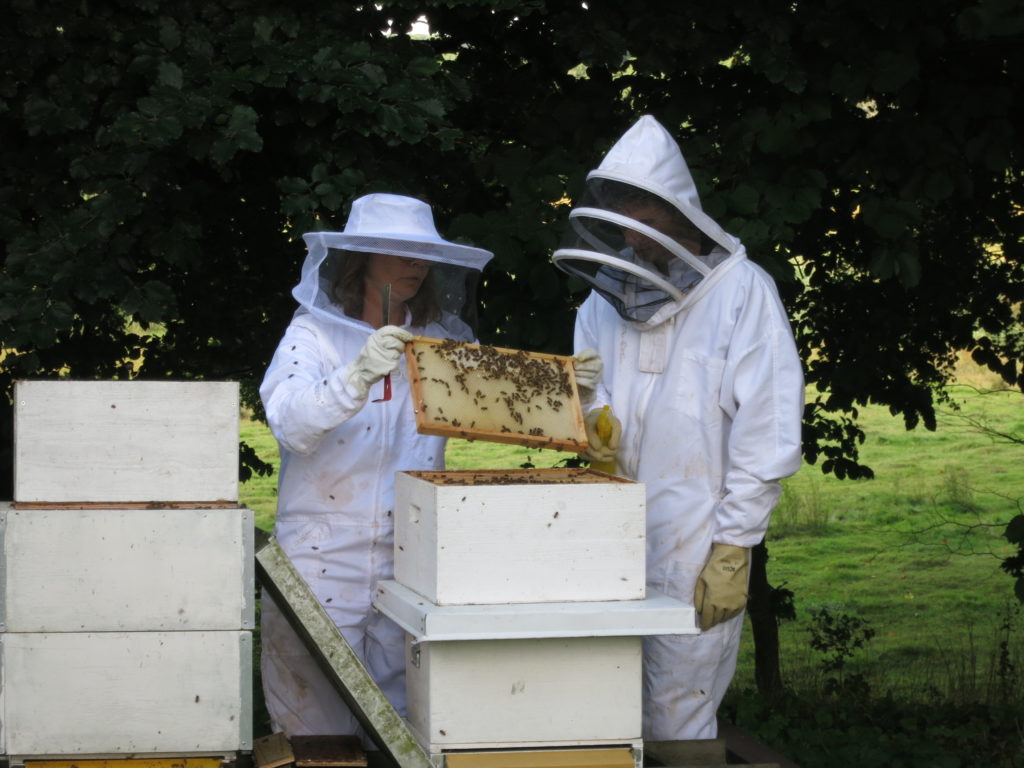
(338, 403)
(688, 342)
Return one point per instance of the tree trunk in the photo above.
(765, 625)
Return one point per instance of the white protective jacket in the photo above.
(339, 456)
(334, 520)
(710, 395)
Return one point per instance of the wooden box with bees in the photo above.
(519, 536)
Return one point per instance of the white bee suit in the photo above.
(705, 379)
(339, 456)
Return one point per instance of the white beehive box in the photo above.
(95, 570)
(519, 536)
(537, 674)
(125, 441)
(509, 693)
(126, 574)
(121, 693)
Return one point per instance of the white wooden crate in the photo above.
(478, 694)
(519, 536)
(125, 441)
(126, 692)
(92, 570)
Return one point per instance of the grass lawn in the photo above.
(913, 552)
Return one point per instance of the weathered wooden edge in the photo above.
(272, 751)
(745, 747)
(687, 752)
(125, 505)
(551, 476)
(341, 665)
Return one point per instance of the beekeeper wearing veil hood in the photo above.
(338, 403)
(687, 341)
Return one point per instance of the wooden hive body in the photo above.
(125, 441)
(546, 692)
(126, 573)
(519, 536)
(495, 573)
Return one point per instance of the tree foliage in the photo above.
(160, 161)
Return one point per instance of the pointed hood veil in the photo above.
(639, 235)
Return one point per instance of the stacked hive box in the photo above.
(523, 596)
(126, 605)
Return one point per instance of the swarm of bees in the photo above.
(531, 377)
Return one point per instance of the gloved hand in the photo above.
(378, 357)
(587, 367)
(600, 449)
(721, 591)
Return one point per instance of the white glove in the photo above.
(587, 367)
(378, 357)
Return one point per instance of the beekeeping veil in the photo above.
(638, 235)
(400, 226)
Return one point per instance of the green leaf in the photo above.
(939, 185)
(893, 70)
(170, 34)
(887, 220)
(432, 107)
(169, 74)
(422, 66)
(882, 264)
(151, 106)
(744, 199)
(909, 268)
(263, 28)
(373, 76)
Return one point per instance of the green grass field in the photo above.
(913, 552)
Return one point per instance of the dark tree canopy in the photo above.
(161, 159)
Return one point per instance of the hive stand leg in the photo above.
(340, 663)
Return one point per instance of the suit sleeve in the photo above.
(305, 392)
(763, 395)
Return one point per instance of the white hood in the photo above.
(649, 157)
(639, 235)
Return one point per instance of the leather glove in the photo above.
(599, 448)
(378, 357)
(587, 367)
(721, 591)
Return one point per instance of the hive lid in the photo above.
(480, 392)
(657, 614)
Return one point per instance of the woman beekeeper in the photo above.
(700, 367)
(338, 403)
